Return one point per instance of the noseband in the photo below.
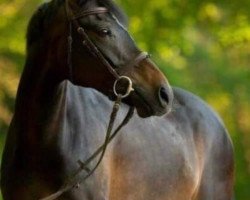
(72, 182)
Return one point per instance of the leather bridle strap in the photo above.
(142, 56)
(72, 182)
(95, 51)
(97, 10)
(90, 45)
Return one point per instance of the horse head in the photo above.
(105, 25)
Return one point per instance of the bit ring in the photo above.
(129, 88)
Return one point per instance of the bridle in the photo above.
(72, 182)
(92, 48)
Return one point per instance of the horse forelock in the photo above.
(36, 25)
(40, 21)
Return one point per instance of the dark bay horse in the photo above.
(62, 112)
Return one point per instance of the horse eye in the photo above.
(104, 32)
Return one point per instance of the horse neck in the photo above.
(39, 93)
(45, 101)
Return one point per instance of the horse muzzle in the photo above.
(151, 105)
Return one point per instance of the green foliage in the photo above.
(201, 45)
(204, 46)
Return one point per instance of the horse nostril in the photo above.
(163, 96)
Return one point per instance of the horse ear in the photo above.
(75, 6)
(82, 2)
(79, 3)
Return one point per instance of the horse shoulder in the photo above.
(205, 122)
(214, 147)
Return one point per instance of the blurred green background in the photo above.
(201, 45)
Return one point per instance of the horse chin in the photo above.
(145, 112)
(143, 107)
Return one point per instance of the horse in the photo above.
(175, 146)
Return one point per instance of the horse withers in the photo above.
(76, 49)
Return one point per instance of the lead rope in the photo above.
(72, 182)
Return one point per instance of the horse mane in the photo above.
(46, 11)
(37, 24)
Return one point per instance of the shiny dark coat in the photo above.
(185, 155)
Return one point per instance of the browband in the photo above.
(85, 13)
